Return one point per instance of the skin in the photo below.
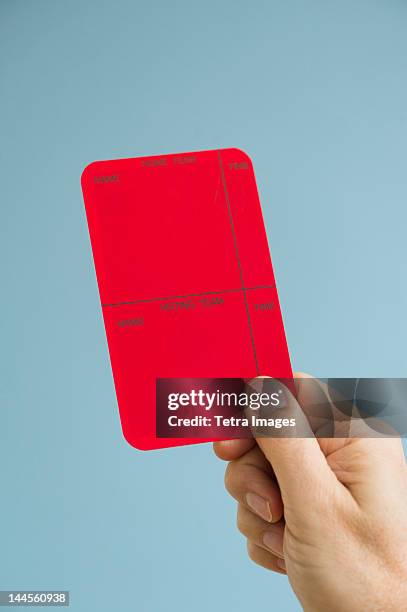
(331, 513)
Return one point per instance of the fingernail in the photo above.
(260, 506)
(273, 542)
(281, 564)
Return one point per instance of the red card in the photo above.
(185, 277)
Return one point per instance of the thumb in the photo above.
(300, 466)
(301, 469)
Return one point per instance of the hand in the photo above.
(331, 513)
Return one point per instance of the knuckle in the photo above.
(252, 551)
(240, 523)
(229, 477)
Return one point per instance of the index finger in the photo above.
(229, 450)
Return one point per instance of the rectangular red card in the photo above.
(185, 277)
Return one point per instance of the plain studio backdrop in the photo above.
(316, 93)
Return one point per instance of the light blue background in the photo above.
(316, 93)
